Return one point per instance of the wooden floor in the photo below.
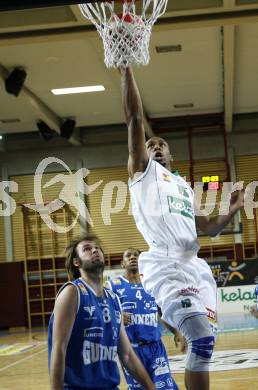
(28, 370)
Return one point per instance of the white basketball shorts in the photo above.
(181, 283)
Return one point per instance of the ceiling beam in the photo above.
(43, 112)
(229, 4)
(246, 122)
(229, 74)
(8, 5)
(226, 18)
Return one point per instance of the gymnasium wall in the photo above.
(108, 163)
(247, 170)
(40, 238)
(111, 154)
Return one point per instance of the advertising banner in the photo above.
(113, 273)
(237, 299)
(235, 274)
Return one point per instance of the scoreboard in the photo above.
(211, 182)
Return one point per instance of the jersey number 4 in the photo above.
(138, 295)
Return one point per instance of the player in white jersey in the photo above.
(163, 208)
(140, 314)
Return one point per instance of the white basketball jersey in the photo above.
(162, 205)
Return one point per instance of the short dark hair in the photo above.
(71, 253)
(133, 249)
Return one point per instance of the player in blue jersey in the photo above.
(85, 330)
(254, 309)
(142, 326)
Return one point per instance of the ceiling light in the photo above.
(185, 105)
(168, 48)
(68, 91)
(1, 137)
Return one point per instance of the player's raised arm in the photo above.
(138, 158)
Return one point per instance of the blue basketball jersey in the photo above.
(92, 349)
(145, 325)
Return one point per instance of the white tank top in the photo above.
(163, 209)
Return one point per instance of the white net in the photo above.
(125, 35)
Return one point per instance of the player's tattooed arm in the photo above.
(138, 158)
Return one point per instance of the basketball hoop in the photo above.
(125, 35)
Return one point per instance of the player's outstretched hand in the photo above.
(254, 311)
(127, 318)
(237, 200)
(180, 341)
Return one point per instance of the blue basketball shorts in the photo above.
(155, 360)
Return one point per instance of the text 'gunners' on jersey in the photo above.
(92, 347)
